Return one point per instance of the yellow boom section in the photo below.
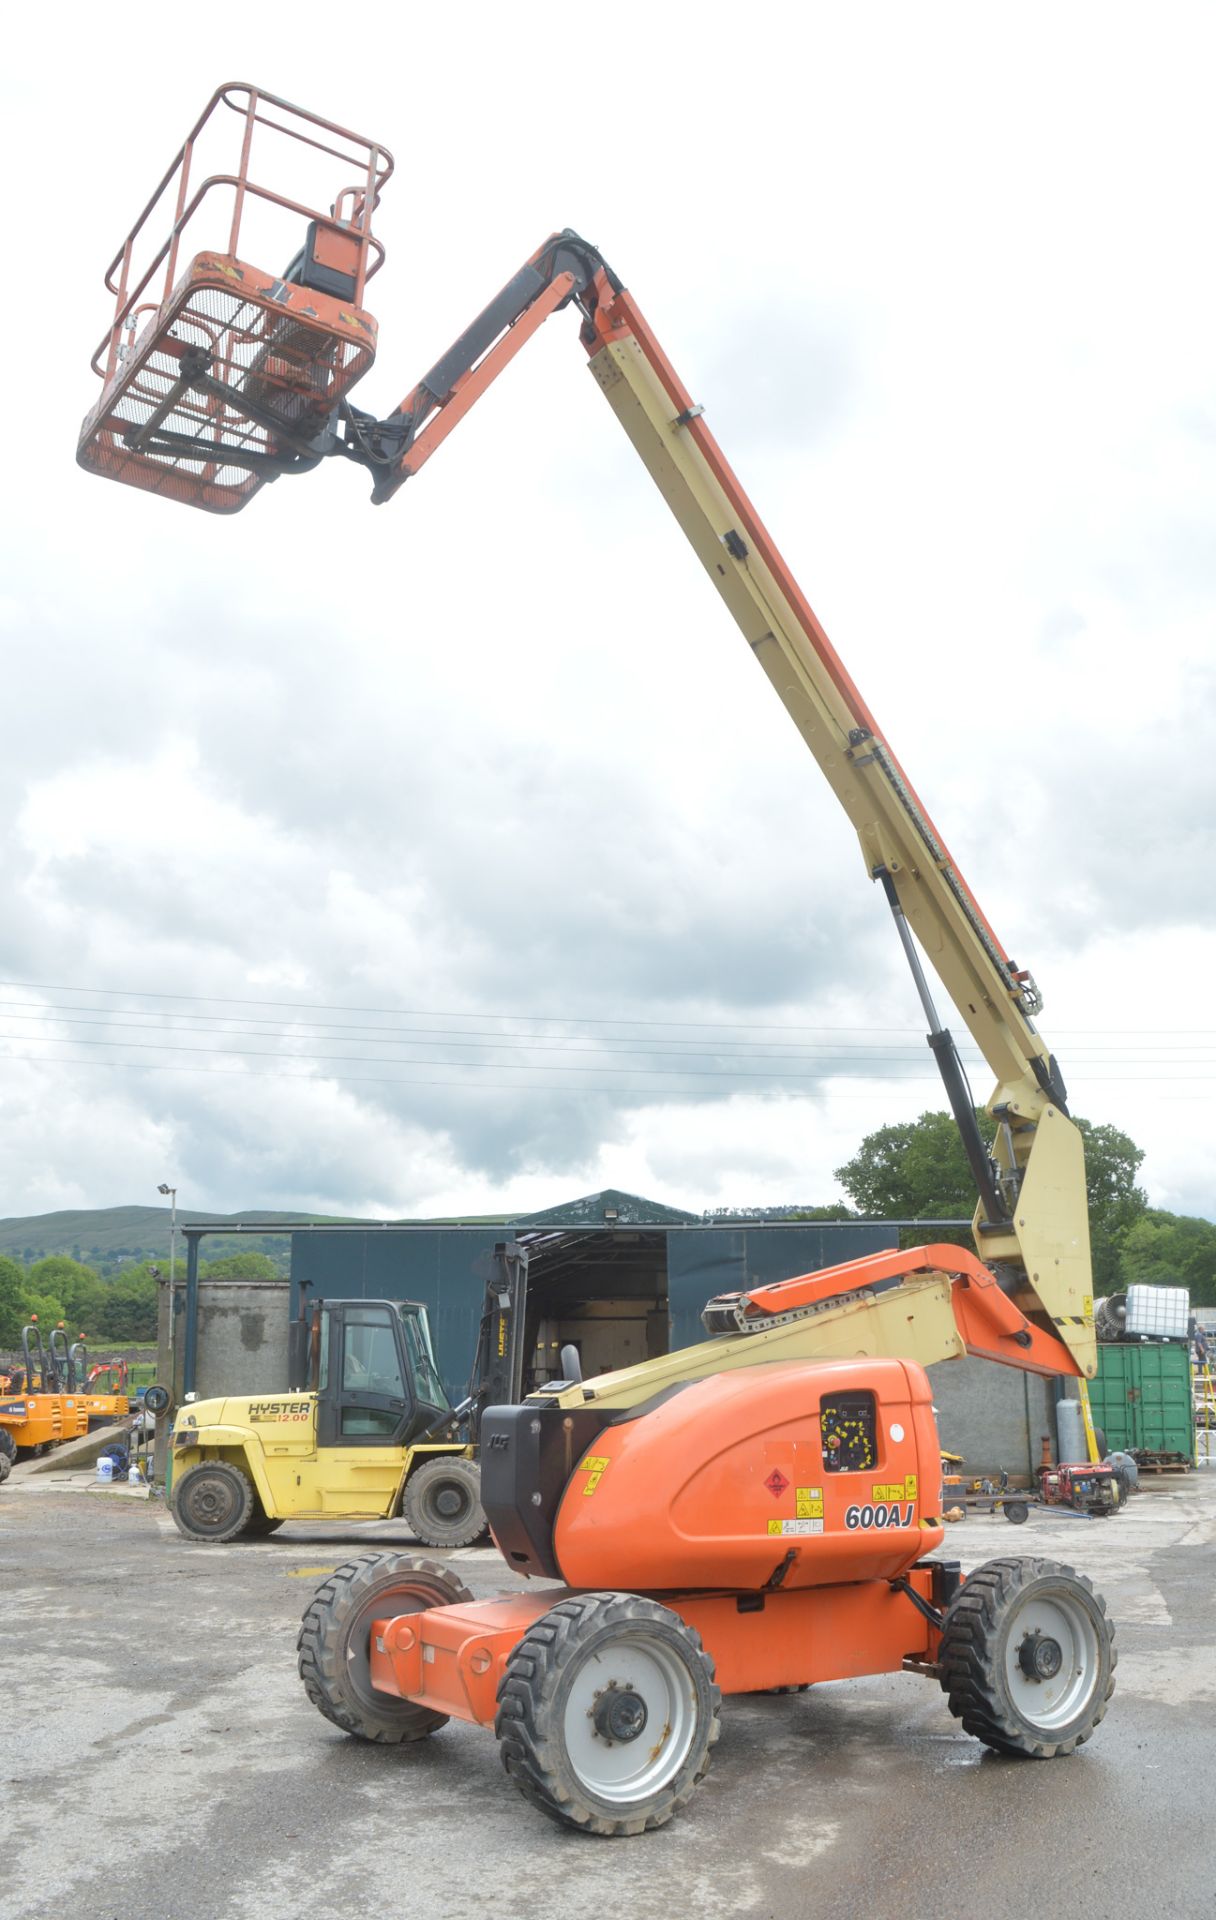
(1044, 1247)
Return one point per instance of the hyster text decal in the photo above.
(278, 1410)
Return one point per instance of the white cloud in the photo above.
(495, 750)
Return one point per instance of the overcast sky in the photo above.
(453, 855)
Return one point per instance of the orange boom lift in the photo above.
(756, 1511)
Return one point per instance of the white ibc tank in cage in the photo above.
(1159, 1311)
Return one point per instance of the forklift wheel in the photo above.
(335, 1642)
(8, 1446)
(442, 1502)
(260, 1524)
(214, 1501)
(6, 1467)
(1027, 1657)
(607, 1711)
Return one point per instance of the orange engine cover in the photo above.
(829, 1469)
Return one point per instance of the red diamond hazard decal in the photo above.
(776, 1483)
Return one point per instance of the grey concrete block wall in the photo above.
(242, 1337)
(994, 1416)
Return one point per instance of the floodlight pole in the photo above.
(165, 1343)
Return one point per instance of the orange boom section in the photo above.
(220, 375)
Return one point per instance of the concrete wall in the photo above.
(242, 1337)
(994, 1416)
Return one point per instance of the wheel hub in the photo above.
(1040, 1657)
(619, 1714)
(449, 1501)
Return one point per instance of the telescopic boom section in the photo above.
(1031, 1225)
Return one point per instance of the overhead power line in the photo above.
(548, 1019)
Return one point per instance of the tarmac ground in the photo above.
(161, 1761)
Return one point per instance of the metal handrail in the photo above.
(374, 161)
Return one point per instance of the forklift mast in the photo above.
(498, 1366)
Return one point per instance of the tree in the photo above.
(12, 1313)
(1112, 1161)
(79, 1287)
(913, 1170)
(240, 1266)
(1173, 1250)
(128, 1306)
(918, 1170)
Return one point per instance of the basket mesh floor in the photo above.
(288, 362)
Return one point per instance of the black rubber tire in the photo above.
(535, 1688)
(333, 1643)
(6, 1467)
(976, 1649)
(1125, 1484)
(213, 1502)
(260, 1525)
(1017, 1512)
(8, 1446)
(1100, 1438)
(442, 1502)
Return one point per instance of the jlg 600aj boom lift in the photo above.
(756, 1511)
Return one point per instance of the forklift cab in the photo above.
(372, 1367)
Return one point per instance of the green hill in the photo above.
(111, 1237)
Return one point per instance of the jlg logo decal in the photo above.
(880, 1516)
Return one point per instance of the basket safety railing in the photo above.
(349, 214)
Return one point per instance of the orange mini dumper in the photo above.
(756, 1528)
(44, 1411)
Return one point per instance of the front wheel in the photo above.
(607, 1711)
(1027, 1657)
(213, 1501)
(334, 1645)
(442, 1502)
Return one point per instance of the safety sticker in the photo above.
(808, 1503)
(776, 1483)
(910, 1487)
(784, 1527)
(890, 1493)
(1087, 1307)
(594, 1465)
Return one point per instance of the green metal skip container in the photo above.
(1141, 1398)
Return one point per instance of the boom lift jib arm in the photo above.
(1031, 1223)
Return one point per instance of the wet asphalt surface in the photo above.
(161, 1762)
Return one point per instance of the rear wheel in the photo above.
(607, 1712)
(214, 1501)
(334, 1645)
(260, 1524)
(442, 1502)
(1027, 1657)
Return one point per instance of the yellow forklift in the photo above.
(366, 1430)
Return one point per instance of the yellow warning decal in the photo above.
(808, 1509)
(894, 1492)
(1087, 1307)
(910, 1487)
(784, 1528)
(594, 1465)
